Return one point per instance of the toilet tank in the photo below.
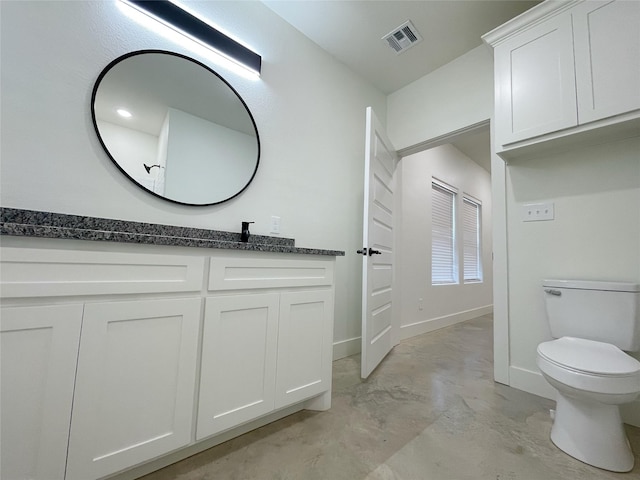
(602, 311)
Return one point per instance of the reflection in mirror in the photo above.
(175, 127)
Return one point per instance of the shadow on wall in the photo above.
(602, 168)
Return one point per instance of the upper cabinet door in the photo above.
(535, 82)
(607, 51)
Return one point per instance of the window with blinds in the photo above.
(472, 264)
(444, 268)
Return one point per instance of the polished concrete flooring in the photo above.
(430, 411)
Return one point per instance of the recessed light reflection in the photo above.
(124, 113)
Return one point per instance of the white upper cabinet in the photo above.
(607, 51)
(535, 84)
(564, 68)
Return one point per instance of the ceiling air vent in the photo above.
(403, 37)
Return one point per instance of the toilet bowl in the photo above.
(592, 379)
(593, 323)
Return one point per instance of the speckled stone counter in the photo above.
(32, 223)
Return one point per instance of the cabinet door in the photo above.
(237, 375)
(135, 384)
(607, 49)
(305, 346)
(39, 349)
(535, 82)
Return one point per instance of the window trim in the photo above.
(479, 277)
(455, 270)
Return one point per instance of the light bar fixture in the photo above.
(178, 19)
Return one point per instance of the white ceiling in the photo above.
(351, 31)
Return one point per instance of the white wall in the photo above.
(131, 148)
(595, 235)
(204, 157)
(442, 305)
(309, 109)
(455, 96)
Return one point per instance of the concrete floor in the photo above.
(430, 411)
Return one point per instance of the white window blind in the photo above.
(471, 240)
(443, 250)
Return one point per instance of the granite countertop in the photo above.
(32, 223)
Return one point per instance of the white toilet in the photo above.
(592, 322)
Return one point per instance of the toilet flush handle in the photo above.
(551, 291)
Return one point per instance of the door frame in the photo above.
(501, 353)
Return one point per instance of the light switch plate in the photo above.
(537, 212)
(275, 224)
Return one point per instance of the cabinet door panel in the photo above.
(607, 58)
(39, 349)
(535, 82)
(238, 361)
(135, 384)
(304, 346)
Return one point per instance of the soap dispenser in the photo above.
(244, 236)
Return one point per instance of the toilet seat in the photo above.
(589, 365)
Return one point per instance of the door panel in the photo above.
(536, 92)
(607, 58)
(238, 361)
(39, 350)
(305, 331)
(378, 234)
(135, 384)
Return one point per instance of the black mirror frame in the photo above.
(104, 146)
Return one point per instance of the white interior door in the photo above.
(378, 246)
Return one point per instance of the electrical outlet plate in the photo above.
(537, 212)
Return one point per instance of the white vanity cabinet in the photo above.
(564, 68)
(113, 359)
(267, 339)
(38, 353)
(238, 368)
(305, 337)
(92, 384)
(135, 384)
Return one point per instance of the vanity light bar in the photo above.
(176, 18)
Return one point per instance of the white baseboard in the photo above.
(425, 326)
(346, 348)
(181, 454)
(534, 382)
(631, 413)
(531, 382)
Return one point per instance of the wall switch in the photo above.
(420, 304)
(275, 224)
(536, 212)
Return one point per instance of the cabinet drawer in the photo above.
(251, 273)
(30, 272)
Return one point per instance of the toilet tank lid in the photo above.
(592, 285)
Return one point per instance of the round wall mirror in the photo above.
(175, 127)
